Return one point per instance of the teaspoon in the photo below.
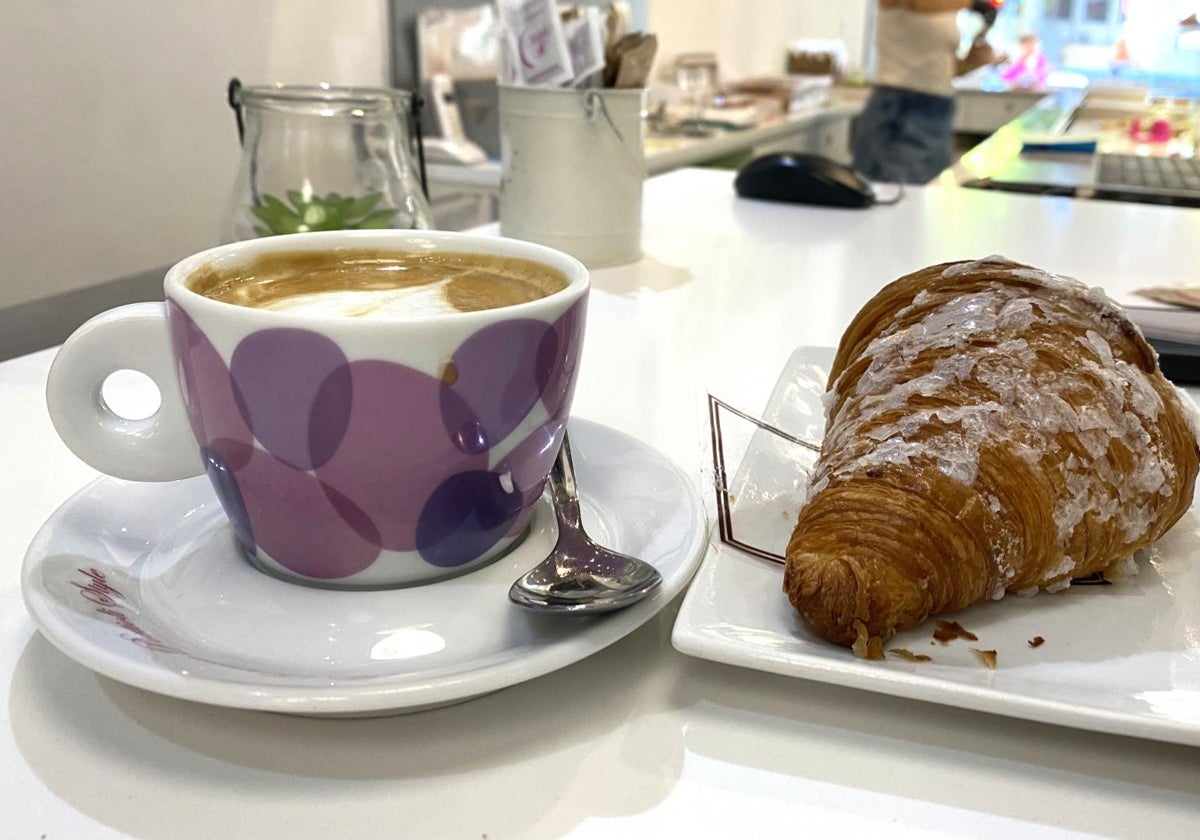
(580, 576)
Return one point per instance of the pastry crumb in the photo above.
(904, 653)
(948, 631)
(865, 645)
(1036, 641)
(987, 657)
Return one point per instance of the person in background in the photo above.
(905, 132)
(1029, 69)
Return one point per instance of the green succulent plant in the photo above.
(328, 212)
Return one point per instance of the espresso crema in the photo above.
(363, 283)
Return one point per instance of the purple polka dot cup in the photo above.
(374, 418)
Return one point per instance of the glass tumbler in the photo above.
(323, 158)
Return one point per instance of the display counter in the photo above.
(637, 740)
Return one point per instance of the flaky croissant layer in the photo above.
(990, 428)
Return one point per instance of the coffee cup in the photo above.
(372, 408)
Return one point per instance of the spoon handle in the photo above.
(562, 485)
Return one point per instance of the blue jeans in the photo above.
(904, 136)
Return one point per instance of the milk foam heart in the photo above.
(407, 302)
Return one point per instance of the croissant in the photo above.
(990, 428)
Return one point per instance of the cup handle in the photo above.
(160, 447)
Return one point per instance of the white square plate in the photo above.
(1121, 658)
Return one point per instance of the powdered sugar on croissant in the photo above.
(991, 428)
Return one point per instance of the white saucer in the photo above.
(142, 583)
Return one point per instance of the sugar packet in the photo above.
(537, 51)
(583, 27)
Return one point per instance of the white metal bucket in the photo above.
(573, 166)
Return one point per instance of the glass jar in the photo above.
(323, 158)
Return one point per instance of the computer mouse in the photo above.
(803, 178)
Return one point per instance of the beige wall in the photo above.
(117, 149)
(750, 37)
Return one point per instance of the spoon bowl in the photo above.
(580, 576)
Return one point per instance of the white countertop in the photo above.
(638, 740)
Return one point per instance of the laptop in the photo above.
(1056, 159)
(1125, 177)
(1157, 176)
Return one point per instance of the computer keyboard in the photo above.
(1168, 174)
